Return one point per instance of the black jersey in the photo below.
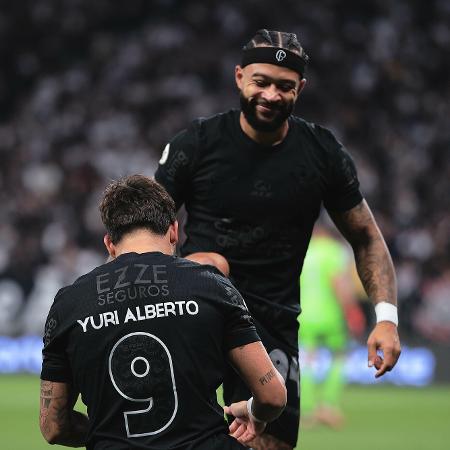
(144, 339)
(257, 205)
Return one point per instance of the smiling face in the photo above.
(268, 94)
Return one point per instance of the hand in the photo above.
(384, 337)
(243, 428)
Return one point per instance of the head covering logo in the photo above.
(280, 55)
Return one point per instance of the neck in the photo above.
(264, 137)
(142, 241)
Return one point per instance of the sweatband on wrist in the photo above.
(386, 311)
(250, 414)
(274, 55)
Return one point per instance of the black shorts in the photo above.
(286, 427)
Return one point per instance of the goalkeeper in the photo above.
(327, 294)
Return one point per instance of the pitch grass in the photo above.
(378, 418)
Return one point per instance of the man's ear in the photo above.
(238, 75)
(173, 233)
(301, 86)
(109, 246)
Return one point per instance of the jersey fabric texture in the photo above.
(144, 339)
(322, 319)
(257, 206)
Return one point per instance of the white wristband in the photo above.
(386, 311)
(250, 414)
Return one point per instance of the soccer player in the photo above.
(145, 339)
(253, 182)
(327, 293)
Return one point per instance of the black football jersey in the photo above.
(257, 205)
(144, 339)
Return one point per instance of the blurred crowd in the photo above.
(92, 90)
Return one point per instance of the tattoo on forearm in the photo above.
(46, 398)
(57, 417)
(376, 272)
(267, 377)
(373, 261)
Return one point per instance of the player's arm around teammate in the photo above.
(59, 423)
(268, 392)
(377, 274)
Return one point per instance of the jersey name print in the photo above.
(149, 311)
(147, 366)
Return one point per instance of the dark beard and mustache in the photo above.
(282, 113)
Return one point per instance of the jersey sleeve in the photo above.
(55, 363)
(343, 191)
(239, 326)
(175, 166)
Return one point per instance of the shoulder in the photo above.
(197, 271)
(320, 134)
(202, 132)
(212, 277)
(209, 128)
(219, 119)
(82, 283)
(209, 123)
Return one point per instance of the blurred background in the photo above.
(92, 90)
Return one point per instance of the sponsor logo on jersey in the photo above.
(262, 188)
(131, 282)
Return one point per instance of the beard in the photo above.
(279, 113)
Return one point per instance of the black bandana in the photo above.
(276, 56)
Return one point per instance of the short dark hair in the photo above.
(135, 202)
(278, 39)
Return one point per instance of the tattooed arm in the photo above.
(256, 369)
(376, 271)
(59, 423)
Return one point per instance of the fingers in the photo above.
(247, 437)
(391, 356)
(382, 368)
(384, 338)
(240, 429)
(235, 425)
(371, 352)
(244, 433)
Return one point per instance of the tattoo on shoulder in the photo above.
(267, 377)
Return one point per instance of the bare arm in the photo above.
(59, 423)
(260, 375)
(376, 271)
(267, 386)
(372, 257)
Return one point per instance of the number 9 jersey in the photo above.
(144, 339)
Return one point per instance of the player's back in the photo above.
(146, 338)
